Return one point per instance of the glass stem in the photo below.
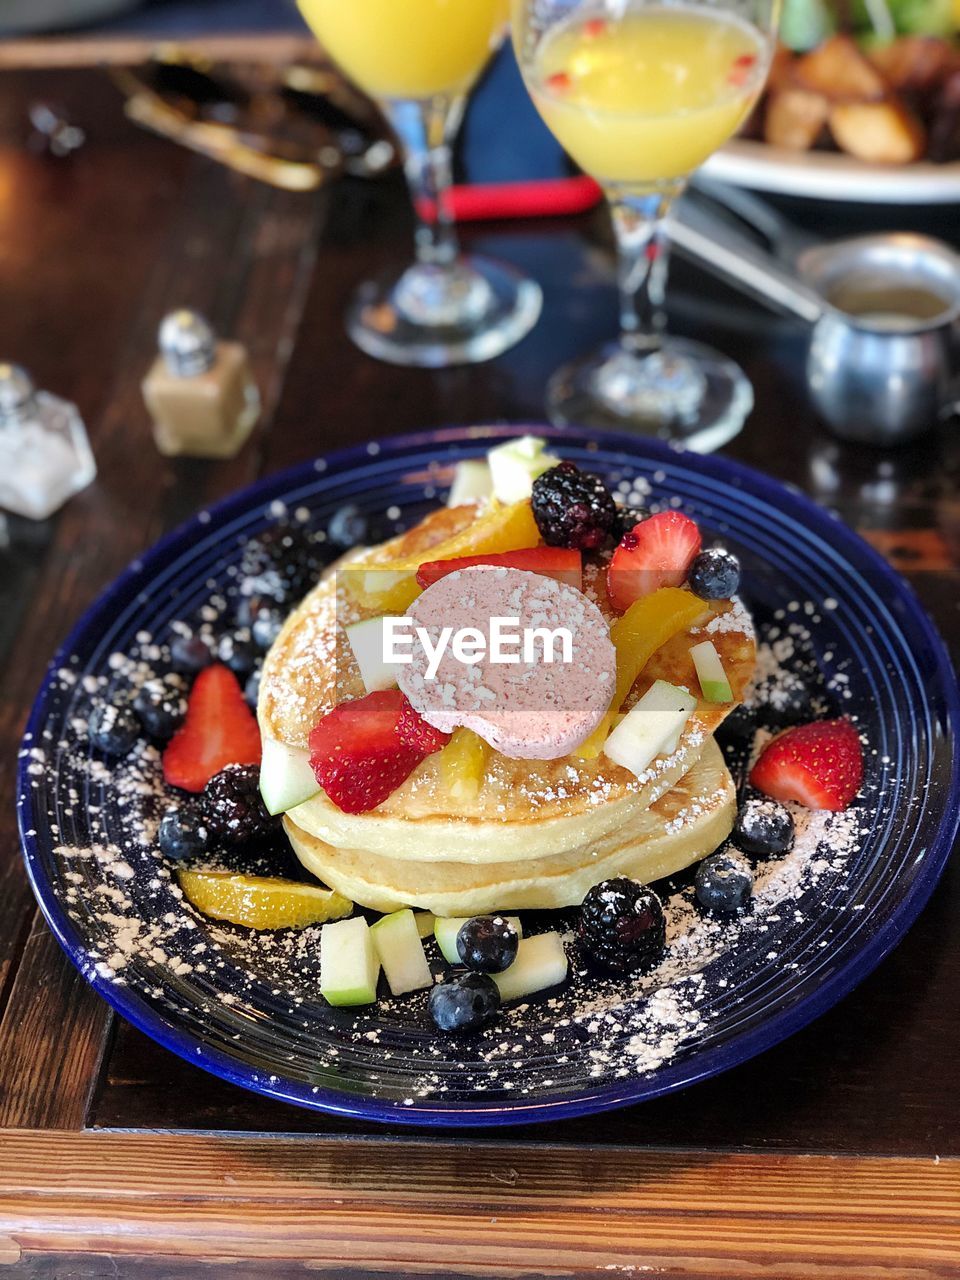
(426, 131)
(638, 224)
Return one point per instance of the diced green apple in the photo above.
(471, 482)
(445, 932)
(366, 641)
(541, 962)
(286, 778)
(515, 465)
(710, 672)
(650, 728)
(396, 941)
(349, 966)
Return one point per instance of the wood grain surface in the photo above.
(412, 1208)
(833, 1154)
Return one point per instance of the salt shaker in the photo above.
(200, 391)
(45, 455)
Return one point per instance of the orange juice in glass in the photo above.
(640, 94)
(418, 59)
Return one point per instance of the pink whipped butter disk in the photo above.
(529, 709)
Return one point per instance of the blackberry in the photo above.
(622, 925)
(723, 885)
(113, 730)
(466, 1003)
(183, 833)
(488, 944)
(714, 574)
(234, 810)
(190, 654)
(629, 518)
(161, 708)
(763, 827)
(283, 563)
(574, 509)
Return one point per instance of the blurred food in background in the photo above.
(20, 16)
(877, 79)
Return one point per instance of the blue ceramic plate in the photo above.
(247, 1008)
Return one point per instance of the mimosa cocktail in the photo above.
(640, 93)
(418, 59)
(409, 48)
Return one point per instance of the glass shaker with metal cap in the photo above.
(200, 391)
(45, 455)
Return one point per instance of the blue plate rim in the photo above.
(741, 1047)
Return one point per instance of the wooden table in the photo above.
(834, 1154)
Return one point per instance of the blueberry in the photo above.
(622, 925)
(723, 885)
(763, 827)
(488, 944)
(630, 517)
(266, 627)
(161, 709)
(113, 730)
(190, 654)
(348, 527)
(183, 833)
(715, 574)
(465, 1003)
(237, 651)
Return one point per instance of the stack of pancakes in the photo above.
(538, 834)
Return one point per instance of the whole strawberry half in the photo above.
(414, 731)
(819, 765)
(220, 729)
(357, 753)
(656, 553)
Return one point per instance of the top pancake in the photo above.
(311, 668)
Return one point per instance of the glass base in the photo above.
(685, 392)
(433, 316)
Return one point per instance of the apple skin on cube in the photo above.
(396, 940)
(445, 931)
(366, 641)
(710, 673)
(286, 778)
(651, 727)
(349, 967)
(541, 963)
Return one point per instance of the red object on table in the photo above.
(538, 198)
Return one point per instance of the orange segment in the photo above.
(391, 587)
(647, 625)
(261, 902)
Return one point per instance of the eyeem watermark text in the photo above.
(506, 643)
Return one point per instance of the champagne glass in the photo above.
(641, 92)
(418, 59)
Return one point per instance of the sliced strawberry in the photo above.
(551, 562)
(415, 732)
(819, 765)
(658, 552)
(220, 729)
(356, 752)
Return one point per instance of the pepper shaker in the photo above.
(200, 391)
(45, 456)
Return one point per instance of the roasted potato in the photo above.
(879, 132)
(795, 118)
(840, 72)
